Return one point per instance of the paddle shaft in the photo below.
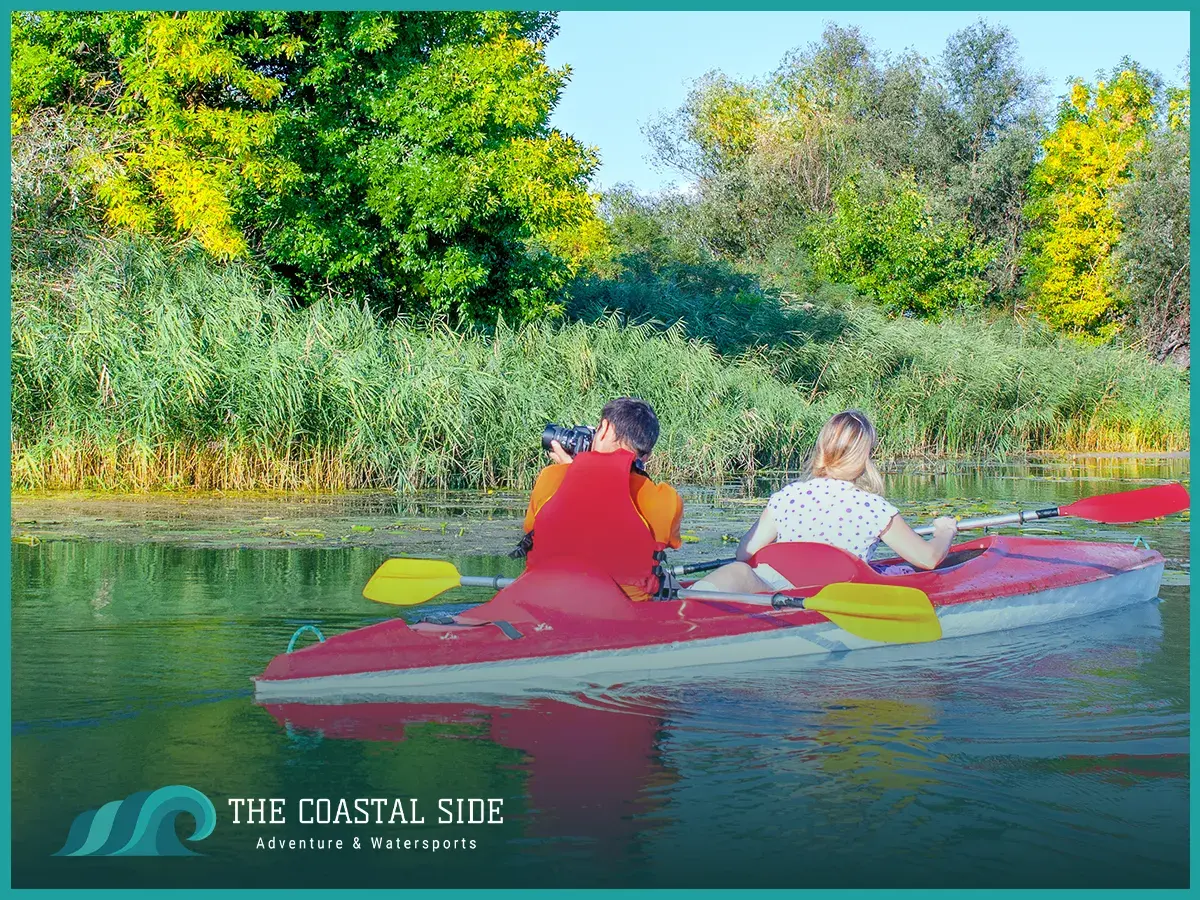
(498, 582)
(489, 581)
(778, 601)
(1017, 518)
(701, 566)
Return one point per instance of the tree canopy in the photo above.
(948, 146)
(934, 185)
(401, 157)
(405, 159)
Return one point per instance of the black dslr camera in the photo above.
(574, 440)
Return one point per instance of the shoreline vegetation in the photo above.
(142, 369)
(471, 524)
(330, 251)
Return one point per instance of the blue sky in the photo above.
(629, 66)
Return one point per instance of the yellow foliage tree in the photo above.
(1075, 225)
(184, 118)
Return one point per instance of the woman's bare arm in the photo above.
(761, 533)
(914, 548)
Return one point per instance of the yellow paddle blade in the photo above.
(407, 582)
(879, 612)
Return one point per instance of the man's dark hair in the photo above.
(633, 421)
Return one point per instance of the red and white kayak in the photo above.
(570, 625)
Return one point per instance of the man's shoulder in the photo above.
(552, 472)
(642, 483)
(548, 481)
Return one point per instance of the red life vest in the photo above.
(591, 524)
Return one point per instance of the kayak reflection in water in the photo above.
(839, 504)
(619, 800)
(598, 511)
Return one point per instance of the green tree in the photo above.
(987, 85)
(430, 177)
(177, 104)
(403, 157)
(998, 132)
(1075, 225)
(885, 241)
(1154, 255)
(769, 156)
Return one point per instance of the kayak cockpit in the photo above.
(955, 558)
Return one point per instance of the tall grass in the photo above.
(141, 370)
(970, 384)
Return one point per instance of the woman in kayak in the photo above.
(839, 504)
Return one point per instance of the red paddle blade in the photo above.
(1130, 506)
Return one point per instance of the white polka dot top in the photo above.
(831, 511)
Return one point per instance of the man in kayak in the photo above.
(598, 511)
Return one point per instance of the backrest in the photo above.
(806, 563)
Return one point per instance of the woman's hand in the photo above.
(945, 527)
(559, 455)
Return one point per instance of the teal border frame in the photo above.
(6, 405)
(616, 5)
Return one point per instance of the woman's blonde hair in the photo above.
(843, 451)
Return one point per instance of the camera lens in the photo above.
(574, 440)
(551, 433)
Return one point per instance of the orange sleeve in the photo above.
(662, 508)
(548, 481)
(635, 593)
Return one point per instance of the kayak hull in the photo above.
(1005, 583)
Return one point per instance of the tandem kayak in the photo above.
(552, 624)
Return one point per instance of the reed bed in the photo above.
(141, 369)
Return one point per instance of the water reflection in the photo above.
(591, 773)
(874, 748)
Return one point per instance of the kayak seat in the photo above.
(806, 563)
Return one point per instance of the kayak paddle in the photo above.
(877, 612)
(409, 582)
(1110, 509)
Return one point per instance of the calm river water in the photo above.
(1054, 756)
